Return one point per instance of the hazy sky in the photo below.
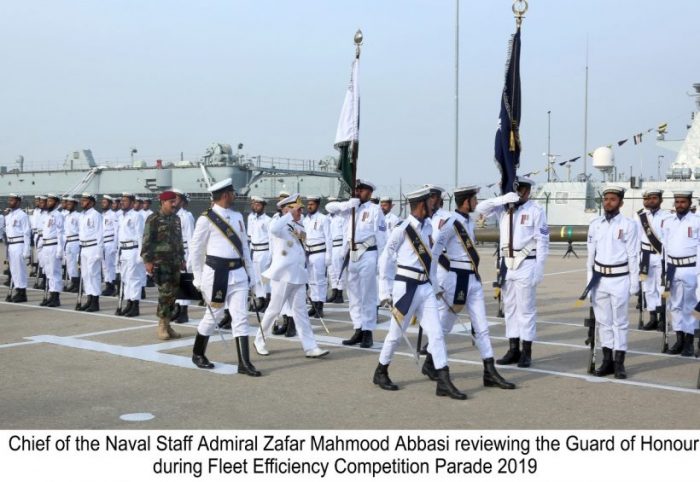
(168, 76)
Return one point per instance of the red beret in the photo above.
(167, 196)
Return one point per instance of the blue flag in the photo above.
(507, 148)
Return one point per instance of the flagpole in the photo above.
(355, 148)
(457, 94)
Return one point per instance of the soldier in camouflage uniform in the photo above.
(163, 254)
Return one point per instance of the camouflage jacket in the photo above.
(162, 239)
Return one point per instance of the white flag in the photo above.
(349, 122)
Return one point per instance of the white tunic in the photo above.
(90, 228)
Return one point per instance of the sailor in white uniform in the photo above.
(187, 225)
(91, 248)
(71, 229)
(131, 265)
(223, 272)
(338, 232)
(650, 222)
(681, 235)
(39, 203)
(522, 263)
(288, 276)
(259, 236)
(438, 215)
(110, 236)
(52, 250)
(39, 214)
(413, 291)
(613, 276)
(390, 219)
(287, 328)
(319, 247)
(461, 282)
(117, 210)
(361, 265)
(18, 232)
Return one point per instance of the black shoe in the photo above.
(143, 293)
(75, 285)
(182, 316)
(607, 367)
(329, 299)
(429, 368)
(653, 323)
(200, 346)
(95, 305)
(688, 345)
(319, 309)
(20, 295)
(355, 338)
(620, 372)
(45, 301)
(312, 311)
(381, 378)
(124, 310)
(55, 301)
(244, 365)
(339, 297)
(291, 328)
(526, 355)
(281, 329)
(259, 304)
(513, 353)
(445, 388)
(134, 310)
(109, 289)
(87, 304)
(225, 323)
(367, 341)
(677, 347)
(493, 379)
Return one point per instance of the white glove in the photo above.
(634, 285)
(511, 197)
(538, 274)
(354, 202)
(197, 283)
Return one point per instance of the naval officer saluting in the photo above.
(613, 276)
(288, 277)
(224, 273)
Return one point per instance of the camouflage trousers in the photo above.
(167, 276)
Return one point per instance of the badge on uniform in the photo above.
(461, 296)
(524, 218)
(365, 215)
(620, 234)
(690, 232)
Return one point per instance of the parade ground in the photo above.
(63, 369)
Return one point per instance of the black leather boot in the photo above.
(526, 355)
(55, 301)
(281, 329)
(291, 328)
(355, 338)
(182, 316)
(260, 303)
(607, 367)
(445, 388)
(312, 310)
(319, 309)
(87, 304)
(688, 345)
(109, 289)
(244, 365)
(143, 293)
(653, 322)
(95, 305)
(381, 378)
(678, 346)
(339, 297)
(46, 299)
(429, 368)
(125, 309)
(225, 322)
(198, 357)
(492, 378)
(329, 298)
(367, 341)
(513, 353)
(20, 295)
(620, 372)
(134, 310)
(75, 284)
(661, 315)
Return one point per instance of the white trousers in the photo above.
(90, 267)
(130, 268)
(236, 303)
(282, 293)
(475, 307)
(318, 283)
(72, 252)
(652, 286)
(261, 261)
(519, 302)
(610, 301)
(18, 267)
(109, 272)
(337, 257)
(425, 307)
(53, 268)
(683, 299)
(362, 291)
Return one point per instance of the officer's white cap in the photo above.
(363, 183)
(88, 195)
(313, 197)
(434, 189)
(69, 197)
(40, 196)
(653, 192)
(466, 190)
(107, 197)
(293, 199)
(16, 196)
(221, 185)
(688, 194)
(257, 199)
(283, 194)
(52, 195)
(620, 191)
(181, 193)
(526, 181)
(419, 195)
(386, 199)
(147, 199)
(129, 195)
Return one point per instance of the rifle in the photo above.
(498, 284)
(591, 324)
(79, 299)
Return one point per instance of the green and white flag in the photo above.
(348, 132)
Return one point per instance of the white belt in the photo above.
(407, 273)
(129, 244)
(72, 237)
(316, 248)
(260, 246)
(608, 270)
(338, 243)
(687, 261)
(465, 265)
(108, 238)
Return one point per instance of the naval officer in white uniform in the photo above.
(18, 231)
(71, 229)
(52, 249)
(319, 250)
(336, 278)
(110, 237)
(259, 236)
(91, 246)
(131, 265)
(187, 226)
